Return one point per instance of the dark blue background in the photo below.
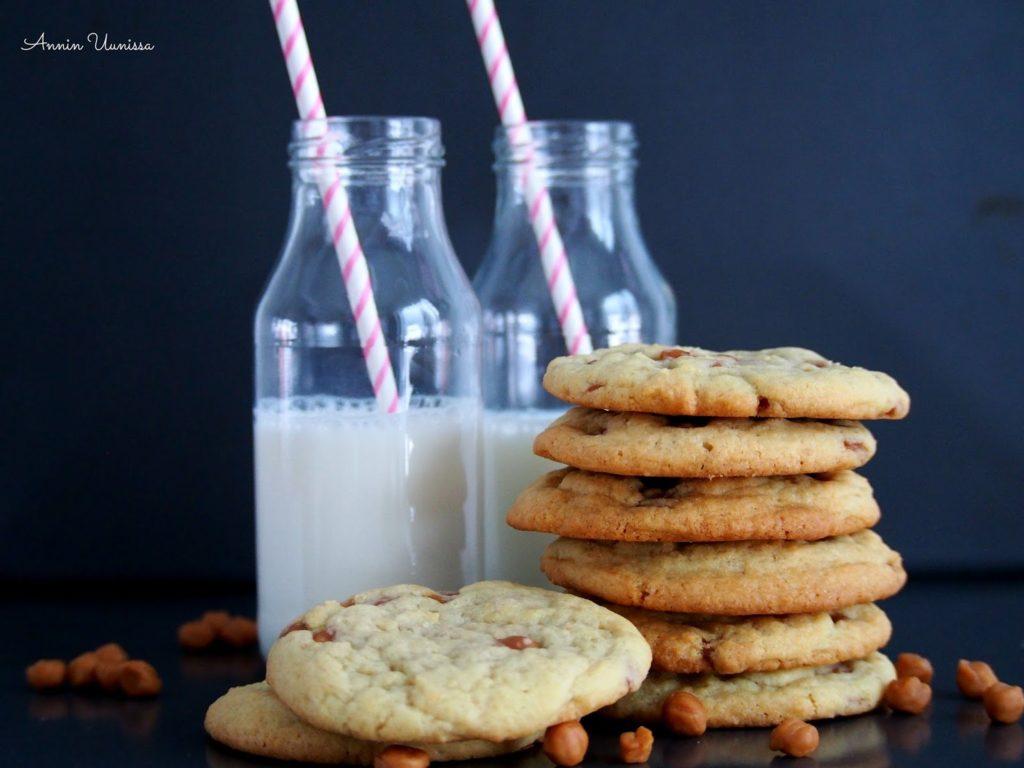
(843, 176)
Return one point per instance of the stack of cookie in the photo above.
(710, 498)
(401, 676)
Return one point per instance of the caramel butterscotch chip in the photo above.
(295, 626)
(635, 746)
(566, 743)
(794, 737)
(111, 652)
(216, 619)
(46, 674)
(684, 713)
(82, 670)
(108, 675)
(401, 757)
(1004, 703)
(196, 635)
(240, 632)
(140, 679)
(914, 665)
(517, 642)
(973, 678)
(323, 636)
(908, 694)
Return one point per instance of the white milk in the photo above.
(510, 466)
(348, 500)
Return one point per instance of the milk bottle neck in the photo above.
(389, 168)
(587, 167)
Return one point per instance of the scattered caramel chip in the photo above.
(196, 635)
(111, 652)
(635, 746)
(139, 679)
(82, 670)
(1004, 703)
(108, 674)
(973, 678)
(239, 632)
(684, 713)
(794, 737)
(216, 619)
(566, 743)
(401, 757)
(908, 694)
(914, 665)
(46, 674)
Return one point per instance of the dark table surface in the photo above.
(942, 619)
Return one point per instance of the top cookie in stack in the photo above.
(710, 499)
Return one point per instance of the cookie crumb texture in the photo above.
(649, 445)
(404, 666)
(593, 505)
(762, 699)
(786, 382)
(731, 578)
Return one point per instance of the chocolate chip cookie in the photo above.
(786, 382)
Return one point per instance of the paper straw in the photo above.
(354, 271)
(542, 216)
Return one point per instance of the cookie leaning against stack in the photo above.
(710, 498)
(475, 673)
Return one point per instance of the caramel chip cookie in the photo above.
(251, 719)
(650, 445)
(731, 578)
(787, 382)
(494, 661)
(759, 699)
(728, 645)
(592, 505)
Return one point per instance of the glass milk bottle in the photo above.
(349, 497)
(588, 169)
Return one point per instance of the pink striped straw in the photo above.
(354, 271)
(542, 216)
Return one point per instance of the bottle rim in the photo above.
(566, 142)
(366, 140)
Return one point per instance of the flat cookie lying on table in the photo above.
(649, 445)
(787, 382)
(687, 643)
(760, 699)
(494, 661)
(594, 505)
(252, 719)
(731, 578)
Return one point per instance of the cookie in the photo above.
(494, 661)
(251, 719)
(732, 578)
(593, 505)
(650, 445)
(759, 699)
(687, 643)
(787, 382)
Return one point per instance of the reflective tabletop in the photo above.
(940, 618)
